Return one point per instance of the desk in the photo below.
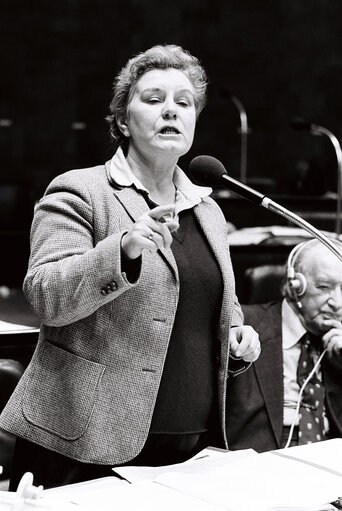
(19, 327)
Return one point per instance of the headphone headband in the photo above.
(294, 255)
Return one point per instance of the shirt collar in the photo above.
(188, 194)
(292, 327)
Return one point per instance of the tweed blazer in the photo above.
(90, 389)
(255, 399)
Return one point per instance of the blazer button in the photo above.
(104, 291)
(113, 285)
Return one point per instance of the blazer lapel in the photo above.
(269, 369)
(132, 202)
(214, 234)
(135, 206)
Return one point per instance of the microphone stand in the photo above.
(300, 124)
(261, 200)
(280, 210)
(320, 130)
(243, 132)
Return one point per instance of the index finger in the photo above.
(159, 212)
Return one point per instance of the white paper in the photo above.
(146, 496)
(284, 480)
(326, 454)
(12, 328)
(103, 483)
(260, 483)
(208, 458)
(255, 235)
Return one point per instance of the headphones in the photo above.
(296, 281)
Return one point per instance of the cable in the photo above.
(313, 370)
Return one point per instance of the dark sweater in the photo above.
(187, 394)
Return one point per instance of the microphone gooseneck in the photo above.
(314, 129)
(244, 131)
(209, 171)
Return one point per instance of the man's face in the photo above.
(322, 300)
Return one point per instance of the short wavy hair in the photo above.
(167, 56)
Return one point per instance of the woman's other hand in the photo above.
(244, 343)
(151, 231)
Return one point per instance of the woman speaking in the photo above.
(131, 277)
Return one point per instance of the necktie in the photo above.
(311, 419)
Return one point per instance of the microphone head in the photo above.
(300, 124)
(207, 170)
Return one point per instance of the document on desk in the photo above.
(257, 235)
(12, 328)
(143, 496)
(304, 478)
(264, 482)
(206, 459)
(327, 454)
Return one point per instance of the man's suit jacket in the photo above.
(255, 398)
(90, 389)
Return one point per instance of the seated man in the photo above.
(268, 408)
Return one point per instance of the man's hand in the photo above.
(244, 343)
(332, 339)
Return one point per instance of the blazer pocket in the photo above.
(61, 390)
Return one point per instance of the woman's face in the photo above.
(161, 114)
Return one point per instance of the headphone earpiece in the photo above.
(296, 285)
(296, 282)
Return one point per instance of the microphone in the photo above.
(209, 171)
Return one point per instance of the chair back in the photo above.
(263, 283)
(10, 373)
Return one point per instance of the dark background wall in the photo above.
(282, 58)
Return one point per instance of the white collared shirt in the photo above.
(292, 331)
(188, 194)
